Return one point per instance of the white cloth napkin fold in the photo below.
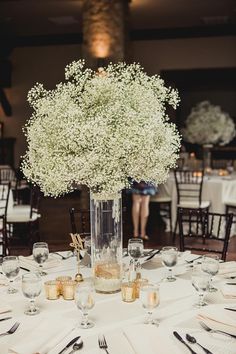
(29, 263)
(229, 291)
(5, 308)
(150, 340)
(42, 338)
(228, 269)
(216, 317)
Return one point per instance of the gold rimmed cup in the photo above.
(63, 279)
(68, 289)
(52, 289)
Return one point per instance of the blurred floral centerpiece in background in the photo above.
(208, 124)
(101, 129)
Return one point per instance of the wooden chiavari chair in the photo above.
(189, 191)
(196, 225)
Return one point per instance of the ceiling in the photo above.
(49, 17)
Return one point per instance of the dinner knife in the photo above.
(69, 344)
(176, 334)
(150, 257)
(227, 308)
(6, 318)
(231, 283)
(26, 269)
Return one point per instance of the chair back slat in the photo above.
(198, 224)
(189, 185)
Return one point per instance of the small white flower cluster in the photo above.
(208, 124)
(100, 130)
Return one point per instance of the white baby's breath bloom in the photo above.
(99, 130)
(208, 124)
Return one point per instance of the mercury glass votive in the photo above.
(128, 291)
(68, 289)
(52, 289)
(63, 279)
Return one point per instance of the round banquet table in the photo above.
(216, 189)
(120, 322)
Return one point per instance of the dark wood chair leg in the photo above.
(170, 217)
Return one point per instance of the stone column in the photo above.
(104, 31)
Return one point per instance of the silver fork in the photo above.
(208, 329)
(102, 343)
(11, 330)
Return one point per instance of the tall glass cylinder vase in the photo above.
(106, 243)
(207, 157)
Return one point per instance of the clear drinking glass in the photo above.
(11, 268)
(40, 254)
(135, 248)
(169, 260)
(200, 281)
(150, 299)
(84, 299)
(211, 265)
(31, 288)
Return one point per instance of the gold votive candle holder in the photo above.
(138, 284)
(63, 279)
(52, 289)
(68, 289)
(128, 291)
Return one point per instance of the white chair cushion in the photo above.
(231, 203)
(190, 204)
(22, 217)
(160, 199)
(21, 209)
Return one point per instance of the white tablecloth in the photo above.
(120, 322)
(216, 189)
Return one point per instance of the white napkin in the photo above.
(150, 340)
(5, 308)
(216, 317)
(229, 291)
(117, 343)
(228, 269)
(29, 263)
(42, 338)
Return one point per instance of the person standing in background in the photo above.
(141, 192)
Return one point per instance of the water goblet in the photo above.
(40, 254)
(84, 299)
(150, 299)
(200, 281)
(31, 288)
(211, 265)
(135, 248)
(169, 260)
(11, 268)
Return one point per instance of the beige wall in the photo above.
(46, 65)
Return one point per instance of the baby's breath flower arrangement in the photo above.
(100, 130)
(208, 124)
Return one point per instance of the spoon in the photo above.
(78, 345)
(193, 340)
